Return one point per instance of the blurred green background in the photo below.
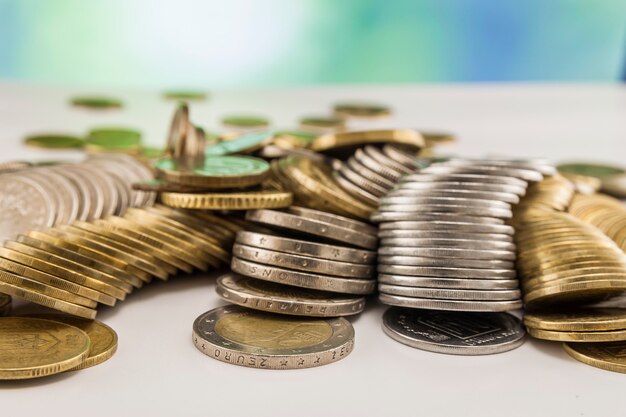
(268, 43)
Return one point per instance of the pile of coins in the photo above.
(606, 213)
(39, 197)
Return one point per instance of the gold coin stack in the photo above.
(73, 268)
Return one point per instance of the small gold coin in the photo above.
(334, 141)
(103, 338)
(228, 201)
(5, 305)
(603, 336)
(362, 110)
(322, 123)
(33, 348)
(607, 356)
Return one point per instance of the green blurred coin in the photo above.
(248, 142)
(247, 122)
(96, 102)
(356, 109)
(54, 141)
(590, 169)
(185, 95)
(114, 139)
(322, 123)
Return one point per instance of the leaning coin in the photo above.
(450, 283)
(386, 216)
(282, 299)
(447, 272)
(501, 213)
(303, 263)
(464, 177)
(448, 253)
(607, 356)
(313, 227)
(583, 320)
(5, 305)
(446, 234)
(246, 337)
(454, 333)
(448, 262)
(450, 294)
(337, 220)
(34, 348)
(579, 337)
(449, 305)
(303, 279)
(448, 226)
(303, 247)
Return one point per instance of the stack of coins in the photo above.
(40, 197)
(67, 344)
(72, 268)
(606, 213)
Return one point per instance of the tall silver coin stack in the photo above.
(445, 244)
(38, 197)
(309, 263)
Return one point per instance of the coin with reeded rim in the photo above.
(447, 262)
(447, 252)
(33, 348)
(340, 221)
(608, 356)
(264, 340)
(449, 305)
(455, 333)
(579, 337)
(439, 224)
(228, 201)
(480, 178)
(283, 299)
(523, 174)
(245, 143)
(387, 216)
(443, 271)
(450, 283)
(450, 294)
(5, 305)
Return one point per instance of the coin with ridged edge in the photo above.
(283, 299)
(450, 294)
(34, 348)
(579, 320)
(608, 356)
(457, 333)
(246, 337)
(449, 305)
(228, 201)
(578, 337)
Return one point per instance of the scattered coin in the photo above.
(96, 102)
(583, 320)
(364, 110)
(245, 122)
(54, 141)
(113, 140)
(185, 95)
(248, 338)
(590, 169)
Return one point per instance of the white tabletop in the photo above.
(158, 372)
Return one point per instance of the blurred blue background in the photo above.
(268, 43)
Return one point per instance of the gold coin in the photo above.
(103, 338)
(437, 138)
(607, 356)
(88, 287)
(562, 336)
(333, 141)
(364, 110)
(574, 292)
(33, 348)
(584, 320)
(215, 232)
(5, 304)
(228, 201)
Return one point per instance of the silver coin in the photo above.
(356, 191)
(454, 333)
(444, 271)
(448, 243)
(120, 166)
(448, 262)
(302, 279)
(283, 299)
(449, 305)
(362, 182)
(447, 208)
(524, 174)
(374, 165)
(91, 190)
(407, 195)
(450, 294)
(541, 166)
(335, 219)
(391, 199)
(462, 185)
(303, 263)
(108, 190)
(52, 187)
(85, 194)
(371, 175)
(313, 227)
(408, 160)
(444, 234)
(452, 283)
(463, 177)
(123, 193)
(384, 217)
(377, 155)
(448, 253)
(24, 205)
(303, 247)
(246, 337)
(433, 224)
(67, 192)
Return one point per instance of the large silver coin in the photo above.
(524, 174)
(447, 272)
(446, 234)
(52, 188)
(447, 243)
(387, 216)
(451, 283)
(448, 262)
(335, 219)
(454, 333)
(283, 299)
(303, 279)
(319, 228)
(391, 199)
(303, 263)
(450, 294)
(448, 253)
(24, 205)
(303, 247)
(463, 177)
(447, 208)
(407, 196)
(442, 225)
(462, 185)
(449, 305)
(377, 155)
(245, 337)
